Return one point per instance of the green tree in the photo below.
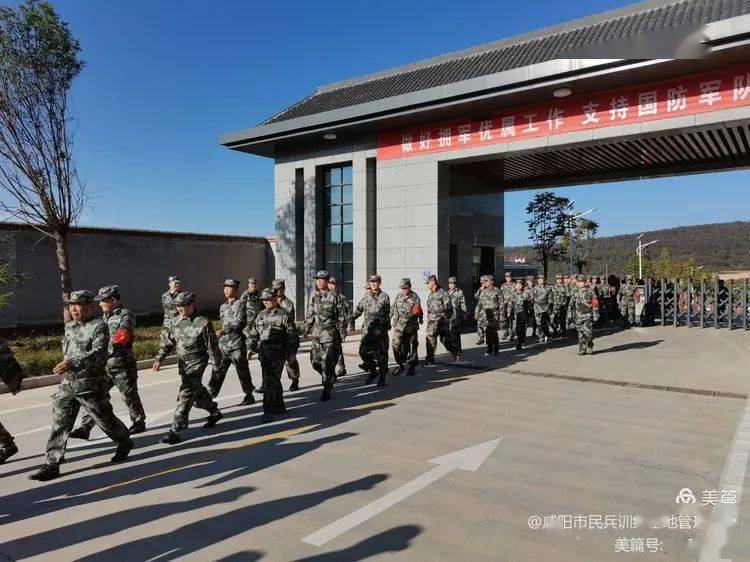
(547, 226)
(38, 63)
(584, 242)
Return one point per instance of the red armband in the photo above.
(594, 303)
(123, 337)
(416, 310)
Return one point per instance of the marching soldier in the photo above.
(571, 311)
(458, 300)
(83, 384)
(375, 305)
(586, 307)
(542, 296)
(480, 323)
(121, 368)
(490, 308)
(529, 288)
(292, 365)
(274, 337)
(439, 314)
(233, 318)
(519, 309)
(11, 374)
(406, 315)
(194, 339)
(559, 306)
(333, 285)
(168, 298)
(253, 306)
(326, 319)
(508, 288)
(626, 298)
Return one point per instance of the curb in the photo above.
(50, 380)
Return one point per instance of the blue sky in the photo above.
(163, 79)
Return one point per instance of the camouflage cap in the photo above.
(628, 277)
(108, 292)
(267, 294)
(452, 280)
(508, 274)
(278, 284)
(185, 298)
(405, 283)
(322, 274)
(519, 280)
(333, 281)
(431, 278)
(231, 283)
(558, 276)
(375, 279)
(252, 280)
(580, 277)
(174, 278)
(541, 276)
(483, 278)
(530, 277)
(81, 297)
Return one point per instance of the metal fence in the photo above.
(721, 304)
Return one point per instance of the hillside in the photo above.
(718, 246)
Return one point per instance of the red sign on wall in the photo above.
(649, 102)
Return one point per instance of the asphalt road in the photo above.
(597, 448)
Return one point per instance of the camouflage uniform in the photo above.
(85, 384)
(542, 296)
(439, 315)
(406, 315)
(233, 317)
(373, 347)
(571, 311)
(253, 307)
(481, 322)
(626, 299)
(170, 310)
(11, 374)
(274, 337)
(194, 340)
(529, 289)
(326, 319)
(341, 365)
(491, 307)
(518, 308)
(121, 368)
(559, 309)
(292, 364)
(508, 288)
(458, 300)
(586, 308)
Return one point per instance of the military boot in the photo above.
(397, 370)
(371, 376)
(248, 400)
(171, 438)
(326, 395)
(412, 370)
(267, 417)
(47, 472)
(7, 452)
(294, 386)
(381, 379)
(213, 418)
(123, 450)
(137, 427)
(80, 433)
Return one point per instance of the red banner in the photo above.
(648, 102)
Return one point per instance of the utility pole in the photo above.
(639, 251)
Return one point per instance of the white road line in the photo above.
(725, 515)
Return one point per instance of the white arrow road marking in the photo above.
(470, 459)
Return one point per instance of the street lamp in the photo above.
(639, 251)
(572, 220)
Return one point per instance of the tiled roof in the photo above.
(515, 55)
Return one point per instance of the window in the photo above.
(338, 227)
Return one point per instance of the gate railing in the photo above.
(721, 304)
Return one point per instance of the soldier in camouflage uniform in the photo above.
(458, 300)
(626, 300)
(11, 374)
(491, 308)
(571, 316)
(518, 308)
(168, 298)
(529, 288)
(333, 285)
(559, 306)
(274, 337)
(586, 307)
(83, 384)
(508, 288)
(193, 338)
(233, 317)
(326, 319)
(286, 304)
(542, 296)
(439, 314)
(480, 325)
(121, 368)
(406, 316)
(253, 306)
(375, 305)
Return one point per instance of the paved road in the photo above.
(243, 491)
